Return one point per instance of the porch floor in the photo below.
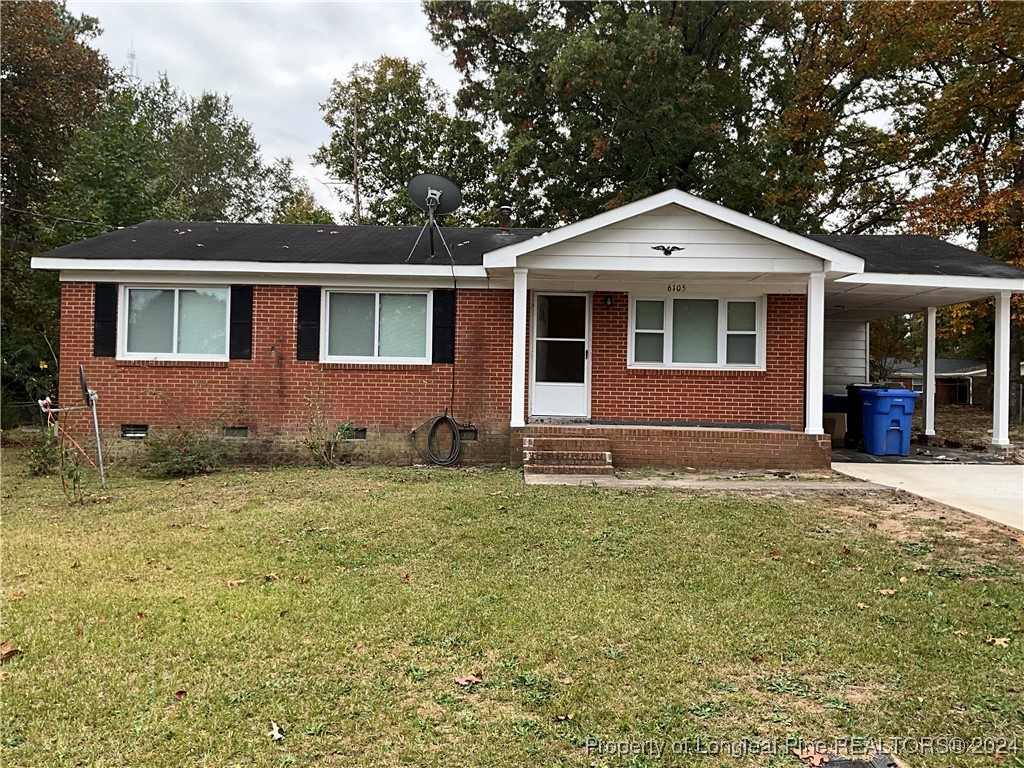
(920, 454)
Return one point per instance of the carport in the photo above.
(907, 274)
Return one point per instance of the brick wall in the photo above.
(271, 394)
(773, 396)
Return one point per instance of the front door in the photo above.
(560, 370)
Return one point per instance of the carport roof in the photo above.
(918, 255)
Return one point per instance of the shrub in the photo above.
(183, 452)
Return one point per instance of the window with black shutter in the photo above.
(307, 342)
(104, 329)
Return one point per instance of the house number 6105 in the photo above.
(676, 288)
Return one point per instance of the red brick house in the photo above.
(670, 331)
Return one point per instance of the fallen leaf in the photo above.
(8, 652)
(276, 734)
(903, 579)
(179, 695)
(140, 616)
(301, 579)
(918, 568)
(565, 680)
(775, 554)
(858, 567)
(235, 582)
(1000, 641)
(846, 550)
(16, 597)
(961, 632)
(566, 716)
(809, 562)
(79, 632)
(862, 606)
(811, 755)
(467, 680)
(886, 592)
(757, 658)
(76, 564)
(406, 578)
(272, 577)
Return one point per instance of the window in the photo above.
(697, 333)
(377, 327)
(175, 323)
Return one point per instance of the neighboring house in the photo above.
(957, 380)
(669, 332)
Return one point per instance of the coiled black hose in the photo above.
(456, 444)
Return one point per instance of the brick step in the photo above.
(566, 443)
(569, 469)
(579, 458)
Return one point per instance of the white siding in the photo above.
(846, 355)
(707, 245)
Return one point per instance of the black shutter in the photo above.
(307, 340)
(444, 327)
(104, 326)
(240, 341)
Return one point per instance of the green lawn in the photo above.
(168, 623)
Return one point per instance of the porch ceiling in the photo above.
(864, 302)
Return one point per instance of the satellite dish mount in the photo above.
(436, 196)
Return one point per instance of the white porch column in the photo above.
(1001, 374)
(518, 348)
(815, 371)
(929, 372)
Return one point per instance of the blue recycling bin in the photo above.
(887, 420)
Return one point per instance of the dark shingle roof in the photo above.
(336, 244)
(945, 366)
(918, 255)
(305, 243)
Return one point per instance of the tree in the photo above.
(389, 123)
(967, 117)
(51, 83)
(824, 77)
(770, 109)
(299, 206)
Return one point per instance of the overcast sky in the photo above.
(276, 60)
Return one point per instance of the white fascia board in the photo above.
(259, 269)
(838, 261)
(1012, 284)
(641, 264)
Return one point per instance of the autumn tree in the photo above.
(390, 122)
(771, 109)
(967, 117)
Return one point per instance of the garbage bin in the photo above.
(854, 437)
(887, 420)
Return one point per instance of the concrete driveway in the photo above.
(992, 491)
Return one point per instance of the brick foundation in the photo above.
(636, 447)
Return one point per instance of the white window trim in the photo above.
(122, 324)
(375, 360)
(723, 334)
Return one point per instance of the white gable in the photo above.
(699, 235)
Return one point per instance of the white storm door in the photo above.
(560, 363)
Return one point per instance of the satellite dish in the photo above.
(434, 194)
(85, 387)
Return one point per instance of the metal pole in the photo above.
(99, 448)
